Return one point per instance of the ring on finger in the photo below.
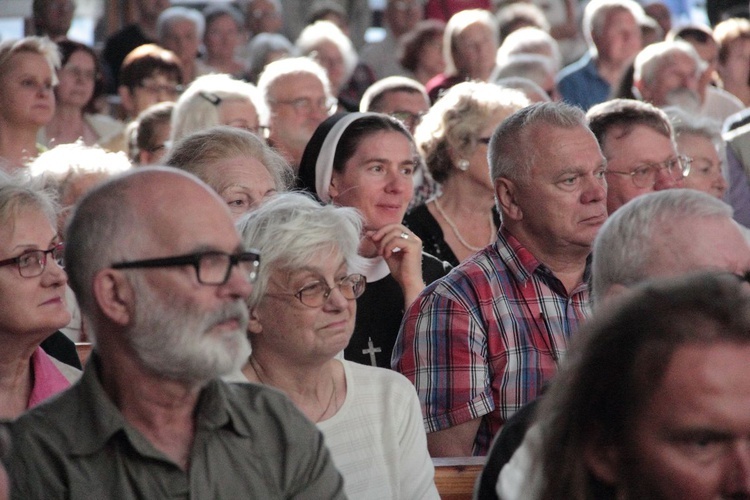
(404, 235)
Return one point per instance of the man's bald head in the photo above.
(119, 218)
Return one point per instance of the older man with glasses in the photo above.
(638, 142)
(298, 96)
(163, 293)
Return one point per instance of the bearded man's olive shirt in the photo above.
(250, 442)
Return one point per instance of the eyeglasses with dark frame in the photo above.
(316, 293)
(32, 263)
(211, 268)
(644, 174)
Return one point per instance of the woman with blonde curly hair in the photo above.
(453, 138)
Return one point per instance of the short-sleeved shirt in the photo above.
(250, 442)
(483, 341)
(581, 84)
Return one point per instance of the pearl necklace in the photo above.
(458, 234)
(333, 399)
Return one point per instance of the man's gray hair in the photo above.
(596, 12)
(511, 152)
(291, 230)
(657, 56)
(624, 247)
(289, 67)
(173, 14)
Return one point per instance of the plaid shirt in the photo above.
(483, 340)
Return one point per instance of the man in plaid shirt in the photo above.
(481, 342)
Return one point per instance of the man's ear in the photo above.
(254, 326)
(506, 191)
(114, 295)
(642, 91)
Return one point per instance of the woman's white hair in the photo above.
(291, 230)
(198, 107)
(325, 31)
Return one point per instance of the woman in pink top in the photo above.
(32, 294)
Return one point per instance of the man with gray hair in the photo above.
(481, 342)
(180, 29)
(614, 38)
(657, 235)
(163, 293)
(638, 142)
(298, 98)
(398, 96)
(667, 74)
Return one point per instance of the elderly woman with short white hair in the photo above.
(213, 100)
(302, 312)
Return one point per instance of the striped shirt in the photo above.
(483, 340)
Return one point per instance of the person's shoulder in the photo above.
(433, 268)
(574, 69)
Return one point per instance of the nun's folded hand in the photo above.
(402, 251)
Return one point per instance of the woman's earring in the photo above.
(463, 165)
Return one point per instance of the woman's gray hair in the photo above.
(510, 153)
(457, 24)
(34, 45)
(625, 245)
(454, 121)
(198, 107)
(326, 31)
(19, 192)
(263, 44)
(529, 40)
(174, 14)
(688, 123)
(290, 230)
(59, 168)
(198, 152)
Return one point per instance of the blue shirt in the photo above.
(581, 85)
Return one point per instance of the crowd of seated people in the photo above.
(325, 258)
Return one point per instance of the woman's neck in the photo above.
(67, 125)
(17, 144)
(464, 198)
(16, 379)
(312, 388)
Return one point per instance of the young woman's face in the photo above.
(77, 79)
(377, 179)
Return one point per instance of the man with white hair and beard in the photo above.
(161, 278)
(670, 74)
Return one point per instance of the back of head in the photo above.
(529, 40)
(510, 153)
(149, 121)
(616, 363)
(147, 60)
(291, 229)
(198, 152)
(624, 251)
(373, 96)
(622, 115)
(535, 67)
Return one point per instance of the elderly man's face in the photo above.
(298, 105)
(563, 204)
(182, 39)
(183, 329)
(691, 439)
(620, 39)
(680, 75)
(631, 155)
